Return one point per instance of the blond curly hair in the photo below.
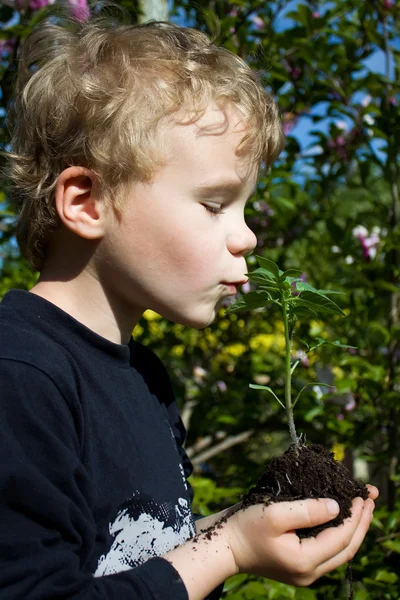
(93, 94)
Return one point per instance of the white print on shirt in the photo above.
(144, 529)
(183, 476)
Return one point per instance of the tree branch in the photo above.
(232, 440)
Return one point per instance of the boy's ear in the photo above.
(79, 204)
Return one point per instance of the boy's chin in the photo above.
(196, 321)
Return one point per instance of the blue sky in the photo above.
(375, 63)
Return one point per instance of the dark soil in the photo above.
(312, 472)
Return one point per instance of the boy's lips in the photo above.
(232, 286)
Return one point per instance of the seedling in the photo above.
(296, 298)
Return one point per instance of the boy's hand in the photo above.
(263, 539)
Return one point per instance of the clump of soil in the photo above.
(298, 474)
(309, 472)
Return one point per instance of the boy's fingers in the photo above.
(350, 550)
(286, 516)
(373, 492)
(333, 541)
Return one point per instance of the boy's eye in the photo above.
(214, 208)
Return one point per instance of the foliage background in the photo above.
(330, 208)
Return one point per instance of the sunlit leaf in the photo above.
(269, 265)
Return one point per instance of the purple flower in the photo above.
(246, 287)
(316, 14)
(352, 351)
(6, 47)
(79, 9)
(294, 71)
(221, 386)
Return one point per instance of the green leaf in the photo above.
(303, 311)
(278, 591)
(250, 301)
(291, 273)
(386, 576)
(234, 582)
(314, 412)
(302, 286)
(305, 15)
(319, 303)
(254, 386)
(390, 287)
(261, 275)
(269, 266)
(340, 345)
(392, 545)
(294, 365)
(320, 341)
(305, 594)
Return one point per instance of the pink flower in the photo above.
(289, 121)
(350, 404)
(38, 4)
(369, 241)
(303, 358)
(296, 72)
(79, 9)
(257, 22)
(339, 144)
(316, 14)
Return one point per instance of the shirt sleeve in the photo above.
(46, 524)
(154, 371)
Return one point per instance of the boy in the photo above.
(134, 151)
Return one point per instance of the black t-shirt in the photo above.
(92, 469)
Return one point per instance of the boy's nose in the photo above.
(242, 242)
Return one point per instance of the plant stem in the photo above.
(288, 375)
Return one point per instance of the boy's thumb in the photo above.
(304, 513)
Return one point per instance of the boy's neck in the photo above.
(84, 298)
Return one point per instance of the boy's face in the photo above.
(179, 246)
